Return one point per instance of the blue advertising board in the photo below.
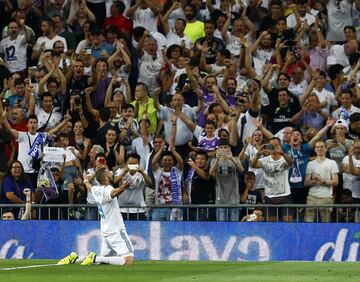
(226, 241)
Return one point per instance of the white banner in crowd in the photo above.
(53, 154)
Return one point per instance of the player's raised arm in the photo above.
(117, 191)
(87, 181)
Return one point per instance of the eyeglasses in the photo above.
(16, 167)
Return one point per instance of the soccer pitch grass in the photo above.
(146, 271)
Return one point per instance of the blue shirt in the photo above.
(13, 99)
(10, 185)
(303, 157)
(96, 52)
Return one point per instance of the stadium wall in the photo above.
(187, 240)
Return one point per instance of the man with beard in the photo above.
(14, 48)
(48, 39)
(247, 111)
(183, 134)
(230, 94)
(280, 116)
(262, 51)
(283, 82)
(300, 153)
(120, 63)
(213, 44)
(194, 28)
(150, 62)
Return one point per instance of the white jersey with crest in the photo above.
(111, 220)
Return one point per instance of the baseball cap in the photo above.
(342, 122)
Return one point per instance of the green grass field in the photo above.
(146, 271)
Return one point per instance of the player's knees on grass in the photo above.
(129, 260)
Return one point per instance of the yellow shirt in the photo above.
(194, 30)
(150, 113)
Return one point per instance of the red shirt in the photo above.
(19, 127)
(123, 23)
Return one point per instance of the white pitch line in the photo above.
(29, 266)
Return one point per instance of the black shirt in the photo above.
(202, 190)
(214, 45)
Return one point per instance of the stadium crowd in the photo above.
(216, 102)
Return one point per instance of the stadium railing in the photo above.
(340, 213)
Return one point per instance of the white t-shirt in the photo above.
(249, 126)
(337, 56)
(233, 45)
(149, 70)
(291, 20)
(14, 52)
(352, 182)
(328, 96)
(145, 18)
(111, 220)
(325, 169)
(43, 116)
(298, 89)
(176, 14)
(24, 148)
(352, 110)
(49, 43)
(172, 38)
(276, 177)
(137, 146)
(134, 195)
(259, 172)
(260, 58)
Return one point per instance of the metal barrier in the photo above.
(339, 213)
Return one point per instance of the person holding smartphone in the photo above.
(276, 169)
(134, 195)
(225, 168)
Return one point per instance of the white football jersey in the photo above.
(111, 220)
(14, 53)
